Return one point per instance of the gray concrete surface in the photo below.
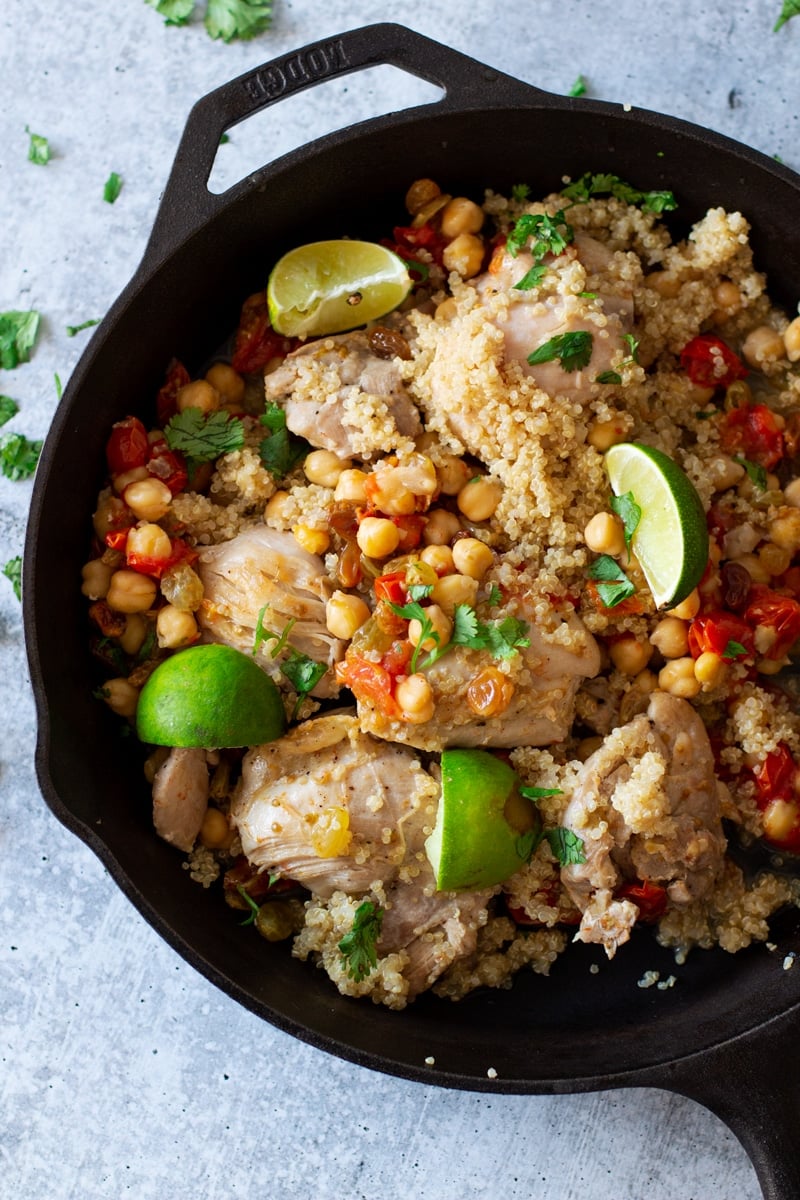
(122, 1071)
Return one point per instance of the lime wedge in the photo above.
(327, 287)
(671, 539)
(209, 696)
(484, 828)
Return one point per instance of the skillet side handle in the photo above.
(187, 203)
(753, 1085)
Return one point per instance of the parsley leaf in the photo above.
(18, 455)
(39, 149)
(528, 843)
(551, 235)
(281, 450)
(755, 473)
(614, 585)
(18, 332)
(573, 350)
(604, 184)
(230, 19)
(13, 572)
(112, 188)
(566, 846)
(791, 8)
(734, 650)
(579, 87)
(73, 329)
(629, 512)
(358, 947)
(201, 436)
(8, 409)
(174, 12)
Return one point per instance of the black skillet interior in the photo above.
(576, 1029)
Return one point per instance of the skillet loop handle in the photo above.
(187, 203)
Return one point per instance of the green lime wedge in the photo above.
(210, 696)
(485, 830)
(671, 538)
(328, 287)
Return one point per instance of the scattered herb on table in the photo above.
(573, 350)
(13, 572)
(18, 455)
(8, 409)
(73, 329)
(611, 185)
(112, 188)
(225, 19)
(791, 8)
(204, 436)
(59, 385)
(613, 585)
(280, 451)
(38, 149)
(579, 87)
(18, 332)
(358, 947)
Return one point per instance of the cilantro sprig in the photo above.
(281, 450)
(359, 946)
(18, 455)
(503, 638)
(547, 235)
(566, 846)
(302, 672)
(18, 331)
(613, 585)
(573, 350)
(13, 573)
(633, 357)
(629, 512)
(8, 409)
(611, 185)
(791, 8)
(225, 19)
(201, 436)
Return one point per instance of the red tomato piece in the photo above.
(156, 567)
(166, 401)
(411, 528)
(256, 340)
(775, 611)
(753, 432)
(168, 465)
(397, 658)
(710, 363)
(650, 898)
(391, 587)
(370, 682)
(127, 447)
(408, 241)
(715, 631)
(116, 538)
(775, 780)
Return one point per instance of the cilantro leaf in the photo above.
(494, 597)
(573, 350)
(532, 278)
(39, 148)
(633, 346)
(734, 650)
(566, 846)
(465, 625)
(520, 192)
(791, 8)
(358, 947)
(201, 436)
(537, 793)
(303, 673)
(281, 451)
(528, 843)
(73, 329)
(614, 585)
(18, 332)
(629, 512)
(419, 591)
(112, 188)
(174, 12)
(551, 235)
(18, 455)
(8, 409)
(13, 572)
(608, 377)
(605, 184)
(502, 638)
(230, 19)
(755, 473)
(579, 87)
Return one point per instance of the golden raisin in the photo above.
(489, 693)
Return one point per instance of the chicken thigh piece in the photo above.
(647, 808)
(264, 574)
(180, 796)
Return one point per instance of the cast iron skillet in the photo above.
(725, 1033)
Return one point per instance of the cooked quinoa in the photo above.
(428, 560)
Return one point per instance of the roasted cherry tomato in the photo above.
(650, 898)
(128, 447)
(754, 433)
(166, 400)
(408, 241)
(391, 587)
(777, 612)
(710, 363)
(778, 800)
(720, 632)
(370, 682)
(256, 340)
(397, 657)
(156, 567)
(168, 465)
(411, 528)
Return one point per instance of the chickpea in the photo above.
(472, 557)
(452, 590)
(198, 394)
(604, 534)
(440, 558)
(350, 486)
(779, 817)
(710, 670)
(629, 655)
(770, 666)
(440, 527)
(414, 696)
(148, 499)
(724, 473)
(149, 541)
(754, 568)
(687, 608)
(791, 340)
(96, 577)
(275, 511)
(791, 493)
(441, 629)
(324, 467)
(132, 639)
(678, 678)
(421, 192)
(313, 541)
(665, 283)
(478, 499)
(126, 478)
(131, 592)
(377, 537)
(452, 474)
(461, 216)
(784, 530)
(727, 297)
(214, 832)
(774, 559)
(392, 496)
(762, 346)
(175, 628)
(121, 697)
(671, 637)
(464, 255)
(227, 382)
(605, 434)
(344, 614)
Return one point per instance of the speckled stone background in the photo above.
(122, 1071)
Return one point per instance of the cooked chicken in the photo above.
(264, 572)
(545, 677)
(647, 807)
(180, 797)
(335, 388)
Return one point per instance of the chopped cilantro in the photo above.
(262, 634)
(73, 329)
(734, 650)
(419, 591)
(573, 350)
(174, 12)
(537, 793)
(706, 416)
(566, 846)
(502, 638)
(201, 436)
(251, 904)
(358, 947)
(18, 455)
(604, 184)
(520, 192)
(302, 672)
(755, 473)
(532, 278)
(613, 586)
(527, 843)
(791, 8)
(550, 235)
(18, 332)
(8, 409)
(112, 188)
(231, 19)
(633, 346)
(38, 149)
(223, 141)
(13, 572)
(628, 512)
(579, 87)
(608, 377)
(494, 597)
(281, 450)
